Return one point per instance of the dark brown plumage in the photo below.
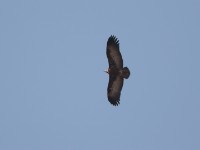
(116, 71)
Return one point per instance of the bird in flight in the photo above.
(117, 73)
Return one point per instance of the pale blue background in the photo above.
(53, 88)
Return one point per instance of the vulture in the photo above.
(117, 73)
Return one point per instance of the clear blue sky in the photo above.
(53, 88)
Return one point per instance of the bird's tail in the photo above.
(125, 73)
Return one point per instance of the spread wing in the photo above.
(113, 53)
(114, 89)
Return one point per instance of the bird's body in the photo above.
(116, 71)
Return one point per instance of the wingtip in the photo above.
(112, 36)
(112, 39)
(114, 102)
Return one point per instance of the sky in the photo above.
(53, 91)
